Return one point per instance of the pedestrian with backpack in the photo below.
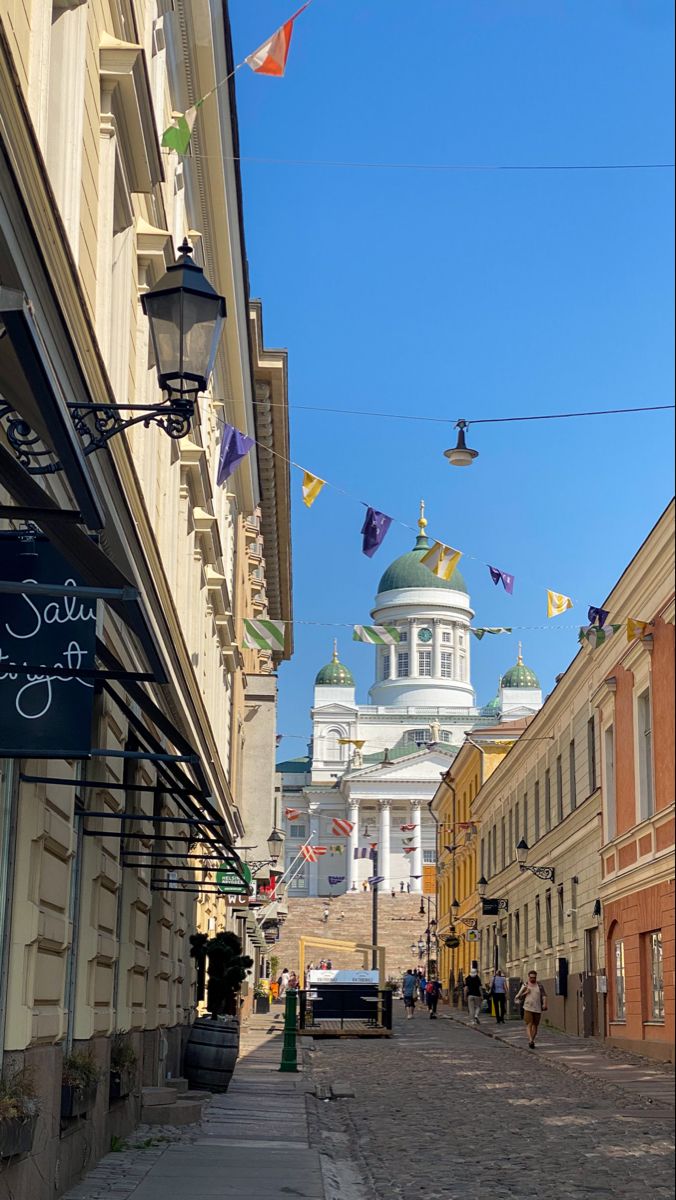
(432, 993)
(473, 995)
(498, 994)
(533, 1000)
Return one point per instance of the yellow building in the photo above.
(457, 840)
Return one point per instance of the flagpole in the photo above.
(374, 914)
(283, 877)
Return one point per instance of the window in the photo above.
(424, 662)
(333, 749)
(656, 976)
(428, 856)
(536, 811)
(548, 799)
(503, 848)
(447, 637)
(525, 817)
(591, 754)
(645, 755)
(510, 836)
(559, 789)
(517, 935)
(298, 830)
(418, 735)
(515, 839)
(403, 635)
(402, 665)
(495, 849)
(525, 929)
(548, 917)
(446, 665)
(538, 923)
(560, 913)
(609, 757)
(573, 907)
(571, 771)
(620, 994)
(385, 665)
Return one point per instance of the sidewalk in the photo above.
(252, 1142)
(586, 1057)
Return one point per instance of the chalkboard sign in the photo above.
(492, 907)
(42, 713)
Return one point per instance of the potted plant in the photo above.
(123, 1062)
(79, 1083)
(18, 1114)
(261, 998)
(213, 1044)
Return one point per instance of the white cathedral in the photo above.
(378, 765)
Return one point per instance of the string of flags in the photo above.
(312, 853)
(334, 880)
(341, 827)
(269, 58)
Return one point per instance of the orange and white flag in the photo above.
(341, 827)
(270, 58)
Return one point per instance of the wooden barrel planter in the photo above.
(211, 1053)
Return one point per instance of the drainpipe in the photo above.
(8, 803)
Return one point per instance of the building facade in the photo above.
(599, 858)
(376, 766)
(123, 787)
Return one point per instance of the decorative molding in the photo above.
(123, 70)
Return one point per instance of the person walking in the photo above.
(422, 984)
(325, 914)
(401, 885)
(409, 990)
(432, 994)
(292, 985)
(473, 995)
(283, 982)
(498, 992)
(533, 1000)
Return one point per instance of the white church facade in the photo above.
(377, 766)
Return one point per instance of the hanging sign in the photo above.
(229, 882)
(44, 712)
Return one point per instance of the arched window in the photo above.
(333, 752)
(418, 735)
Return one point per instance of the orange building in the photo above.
(636, 726)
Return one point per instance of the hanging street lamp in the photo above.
(461, 455)
(540, 872)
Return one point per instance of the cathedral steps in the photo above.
(399, 926)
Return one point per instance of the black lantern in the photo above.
(461, 455)
(522, 851)
(275, 845)
(186, 320)
(482, 886)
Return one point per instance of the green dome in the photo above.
(334, 674)
(409, 572)
(493, 705)
(520, 676)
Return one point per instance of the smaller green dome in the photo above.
(520, 676)
(493, 705)
(334, 674)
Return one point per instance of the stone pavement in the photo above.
(595, 1061)
(442, 1113)
(252, 1143)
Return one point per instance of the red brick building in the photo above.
(636, 736)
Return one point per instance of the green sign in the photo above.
(229, 882)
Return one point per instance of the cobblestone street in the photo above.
(443, 1112)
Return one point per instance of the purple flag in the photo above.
(334, 879)
(375, 879)
(597, 614)
(376, 525)
(503, 577)
(234, 447)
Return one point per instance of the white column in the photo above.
(313, 867)
(384, 844)
(436, 651)
(413, 649)
(393, 662)
(417, 856)
(352, 844)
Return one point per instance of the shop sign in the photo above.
(229, 882)
(44, 713)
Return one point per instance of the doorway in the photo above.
(590, 1003)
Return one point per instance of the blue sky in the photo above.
(465, 294)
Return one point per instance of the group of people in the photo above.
(531, 999)
(288, 981)
(416, 987)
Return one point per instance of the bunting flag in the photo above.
(270, 58)
(319, 850)
(373, 845)
(312, 486)
(234, 447)
(636, 628)
(335, 849)
(341, 828)
(263, 635)
(410, 849)
(557, 604)
(502, 577)
(376, 525)
(597, 635)
(597, 616)
(375, 880)
(376, 635)
(356, 742)
(336, 879)
(292, 814)
(467, 825)
(441, 560)
(407, 828)
(279, 738)
(177, 136)
(481, 630)
(362, 852)
(309, 853)
(407, 841)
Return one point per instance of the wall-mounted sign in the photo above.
(44, 713)
(229, 882)
(472, 935)
(493, 907)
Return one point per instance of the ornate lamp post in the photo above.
(540, 872)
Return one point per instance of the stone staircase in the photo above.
(399, 926)
(172, 1104)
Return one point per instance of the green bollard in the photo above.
(289, 1056)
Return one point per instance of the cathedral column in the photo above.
(417, 856)
(313, 867)
(393, 662)
(352, 865)
(413, 649)
(384, 843)
(436, 650)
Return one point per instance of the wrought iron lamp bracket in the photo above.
(540, 872)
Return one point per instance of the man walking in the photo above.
(432, 993)
(533, 1000)
(409, 988)
(473, 995)
(499, 996)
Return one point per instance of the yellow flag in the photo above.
(312, 486)
(557, 604)
(636, 629)
(441, 560)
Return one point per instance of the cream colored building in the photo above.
(551, 790)
(92, 211)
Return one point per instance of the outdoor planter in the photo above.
(16, 1135)
(75, 1101)
(121, 1082)
(262, 1004)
